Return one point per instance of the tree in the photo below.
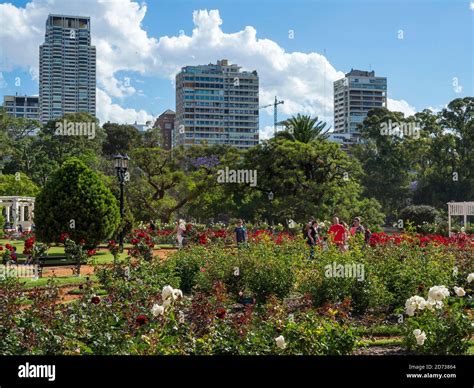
(83, 142)
(120, 139)
(76, 201)
(447, 171)
(306, 179)
(386, 160)
(304, 128)
(164, 182)
(17, 184)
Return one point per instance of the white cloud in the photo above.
(303, 80)
(471, 5)
(400, 106)
(108, 111)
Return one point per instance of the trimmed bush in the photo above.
(76, 201)
(418, 215)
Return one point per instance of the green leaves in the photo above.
(76, 201)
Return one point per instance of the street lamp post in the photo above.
(121, 166)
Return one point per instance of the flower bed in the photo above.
(266, 298)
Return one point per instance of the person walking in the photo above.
(180, 233)
(338, 234)
(312, 237)
(240, 231)
(359, 229)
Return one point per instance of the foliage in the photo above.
(419, 215)
(76, 201)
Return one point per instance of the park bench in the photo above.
(56, 261)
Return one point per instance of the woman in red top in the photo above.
(338, 233)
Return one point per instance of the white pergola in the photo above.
(18, 211)
(463, 209)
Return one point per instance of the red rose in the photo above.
(63, 237)
(142, 320)
(221, 313)
(95, 300)
(82, 241)
(135, 241)
(1, 248)
(91, 252)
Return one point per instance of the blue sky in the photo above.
(436, 47)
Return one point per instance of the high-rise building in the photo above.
(217, 104)
(354, 95)
(67, 68)
(166, 123)
(22, 106)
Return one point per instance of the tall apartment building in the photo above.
(166, 123)
(354, 96)
(22, 106)
(218, 104)
(67, 68)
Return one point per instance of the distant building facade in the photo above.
(22, 106)
(166, 124)
(354, 95)
(217, 104)
(67, 79)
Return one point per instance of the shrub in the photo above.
(437, 325)
(419, 215)
(74, 199)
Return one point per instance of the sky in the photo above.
(298, 47)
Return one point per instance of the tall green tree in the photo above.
(76, 201)
(304, 128)
(120, 139)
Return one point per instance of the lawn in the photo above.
(101, 257)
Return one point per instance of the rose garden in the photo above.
(99, 276)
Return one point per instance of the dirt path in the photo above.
(89, 269)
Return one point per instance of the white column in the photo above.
(449, 220)
(15, 214)
(7, 210)
(21, 209)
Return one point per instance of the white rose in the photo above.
(413, 303)
(416, 332)
(420, 339)
(157, 310)
(438, 293)
(167, 292)
(280, 342)
(470, 277)
(177, 294)
(459, 291)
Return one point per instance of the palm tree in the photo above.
(304, 129)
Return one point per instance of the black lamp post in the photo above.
(121, 166)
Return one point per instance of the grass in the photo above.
(379, 330)
(381, 342)
(60, 281)
(102, 256)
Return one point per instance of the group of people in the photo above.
(240, 233)
(338, 234)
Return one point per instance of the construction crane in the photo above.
(275, 112)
